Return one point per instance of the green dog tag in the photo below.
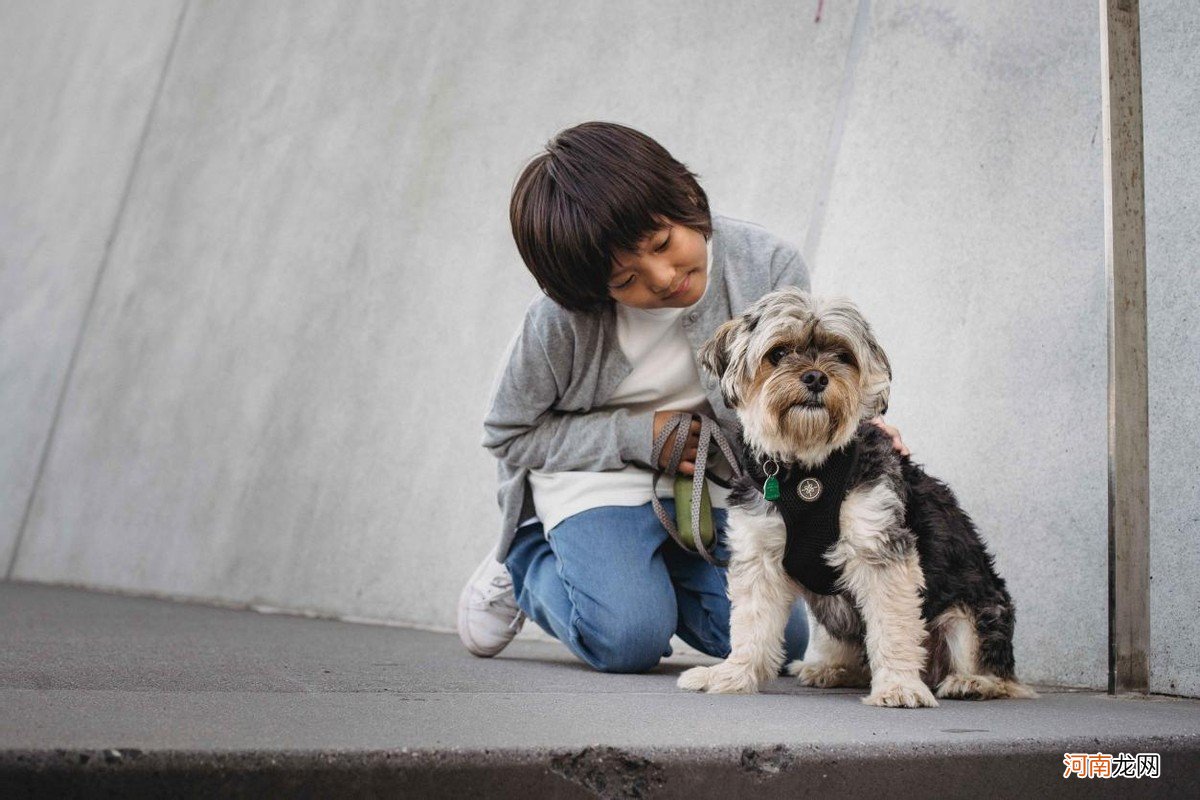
(771, 488)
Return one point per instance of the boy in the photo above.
(637, 274)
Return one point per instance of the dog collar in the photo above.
(810, 502)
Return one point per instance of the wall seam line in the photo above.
(89, 308)
(812, 236)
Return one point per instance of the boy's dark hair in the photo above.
(600, 187)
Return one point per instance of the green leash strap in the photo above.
(693, 506)
(683, 513)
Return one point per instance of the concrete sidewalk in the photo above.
(110, 694)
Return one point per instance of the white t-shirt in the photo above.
(664, 376)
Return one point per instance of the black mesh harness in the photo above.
(810, 501)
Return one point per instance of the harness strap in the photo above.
(810, 502)
(710, 431)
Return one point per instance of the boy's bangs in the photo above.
(629, 227)
(583, 241)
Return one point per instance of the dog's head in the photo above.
(801, 372)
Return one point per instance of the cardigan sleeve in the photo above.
(788, 269)
(523, 428)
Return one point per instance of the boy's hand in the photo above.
(687, 462)
(893, 432)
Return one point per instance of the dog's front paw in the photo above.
(724, 678)
(694, 679)
(897, 692)
(827, 676)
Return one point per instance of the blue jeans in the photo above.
(611, 585)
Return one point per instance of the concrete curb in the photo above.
(1002, 771)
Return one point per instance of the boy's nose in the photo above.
(663, 279)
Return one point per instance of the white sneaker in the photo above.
(488, 615)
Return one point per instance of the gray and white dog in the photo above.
(914, 601)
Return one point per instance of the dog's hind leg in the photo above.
(956, 630)
(979, 654)
(837, 662)
(835, 656)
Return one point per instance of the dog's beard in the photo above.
(784, 420)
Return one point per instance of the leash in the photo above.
(710, 431)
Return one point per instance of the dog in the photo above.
(904, 593)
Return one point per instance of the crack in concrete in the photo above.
(609, 773)
(766, 763)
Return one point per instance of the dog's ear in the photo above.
(715, 355)
(876, 370)
(880, 382)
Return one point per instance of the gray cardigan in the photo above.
(562, 366)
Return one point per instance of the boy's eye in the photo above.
(664, 245)
(623, 285)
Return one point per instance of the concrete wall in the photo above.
(966, 217)
(77, 82)
(277, 393)
(1171, 115)
(279, 396)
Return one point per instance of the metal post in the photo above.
(1128, 416)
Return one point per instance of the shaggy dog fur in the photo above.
(918, 604)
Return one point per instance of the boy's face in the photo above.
(670, 270)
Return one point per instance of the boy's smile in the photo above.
(670, 270)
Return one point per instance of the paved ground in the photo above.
(102, 693)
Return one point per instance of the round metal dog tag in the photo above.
(809, 489)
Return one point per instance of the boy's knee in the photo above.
(635, 646)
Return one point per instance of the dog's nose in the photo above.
(815, 380)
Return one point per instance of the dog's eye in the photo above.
(845, 357)
(776, 355)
